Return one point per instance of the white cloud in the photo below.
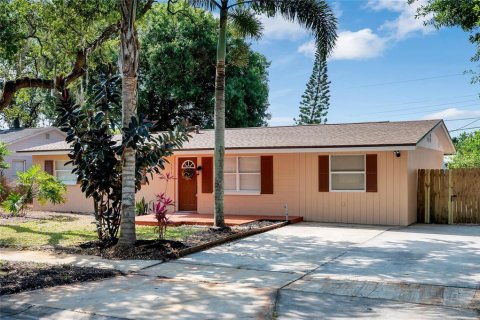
(351, 45)
(337, 9)
(280, 121)
(278, 28)
(308, 48)
(405, 24)
(366, 43)
(453, 113)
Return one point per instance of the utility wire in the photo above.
(423, 111)
(421, 101)
(464, 129)
(467, 124)
(460, 119)
(424, 106)
(406, 81)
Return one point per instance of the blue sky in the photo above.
(387, 66)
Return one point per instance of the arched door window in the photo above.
(188, 169)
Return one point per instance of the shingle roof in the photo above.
(11, 135)
(367, 134)
(315, 136)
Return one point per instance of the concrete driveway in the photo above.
(302, 271)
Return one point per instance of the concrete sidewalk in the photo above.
(302, 271)
(126, 266)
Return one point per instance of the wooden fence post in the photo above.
(450, 196)
(427, 196)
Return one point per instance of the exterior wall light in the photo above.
(397, 153)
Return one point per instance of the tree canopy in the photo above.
(177, 62)
(50, 44)
(468, 151)
(177, 71)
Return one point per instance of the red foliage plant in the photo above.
(160, 207)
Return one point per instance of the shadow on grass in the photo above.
(54, 238)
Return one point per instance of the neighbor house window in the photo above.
(347, 173)
(242, 175)
(63, 172)
(18, 165)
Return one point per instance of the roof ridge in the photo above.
(325, 124)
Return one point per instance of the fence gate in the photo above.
(448, 196)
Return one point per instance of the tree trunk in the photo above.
(128, 61)
(220, 118)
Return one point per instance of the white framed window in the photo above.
(63, 172)
(242, 175)
(19, 165)
(347, 173)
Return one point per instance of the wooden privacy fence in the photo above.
(448, 196)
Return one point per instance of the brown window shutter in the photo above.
(371, 173)
(323, 174)
(207, 174)
(266, 170)
(48, 167)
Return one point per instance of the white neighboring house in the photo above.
(21, 138)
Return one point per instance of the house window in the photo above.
(242, 175)
(63, 172)
(347, 173)
(47, 136)
(18, 165)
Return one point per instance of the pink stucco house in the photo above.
(347, 173)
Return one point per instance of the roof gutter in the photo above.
(307, 149)
(299, 150)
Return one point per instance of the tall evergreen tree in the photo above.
(316, 99)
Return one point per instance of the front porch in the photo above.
(207, 219)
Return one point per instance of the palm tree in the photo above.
(128, 63)
(315, 15)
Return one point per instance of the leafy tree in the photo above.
(34, 184)
(97, 154)
(316, 99)
(455, 13)
(52, 44)
(4, 185)
(177, 71)
(3, 153)
(33, 107)
(468, 151)
(315, 15)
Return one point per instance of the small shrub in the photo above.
(160, 208)
(14, 204)
(34, 184)
(141, 207)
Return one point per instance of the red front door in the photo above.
(187, 184)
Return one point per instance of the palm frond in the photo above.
(245, 23)
(314, 15)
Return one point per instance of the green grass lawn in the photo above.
(68, 230)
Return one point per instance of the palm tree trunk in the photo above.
(220, 117)
(128, 61)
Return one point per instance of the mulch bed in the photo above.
(24, 276)
(164, 249)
